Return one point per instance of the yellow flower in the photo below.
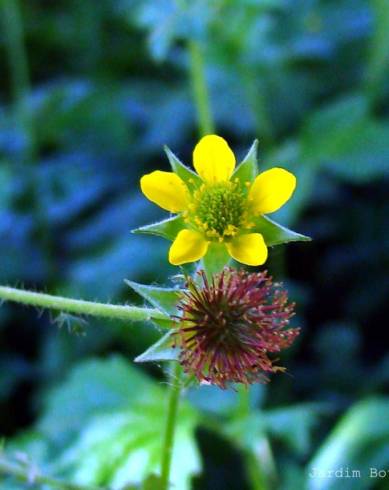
(218, 207)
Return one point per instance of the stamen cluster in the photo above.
(219, 209)
(228, 327)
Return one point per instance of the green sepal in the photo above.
(164, 299)
(165, 324)
(274, 233)
(191, 179)
(248, 169)
(167, 228)
(216, 259)
(162, 350)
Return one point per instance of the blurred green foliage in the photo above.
(89, 94)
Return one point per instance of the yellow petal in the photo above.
(213, 159)
(165, 189)
(271, 189)
(188, 246)
(248, 249)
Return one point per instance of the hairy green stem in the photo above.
(77, 306)
(170, 427)
(200, 91)
(28, 475)
(206, 126)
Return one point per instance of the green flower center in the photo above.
(219, 209)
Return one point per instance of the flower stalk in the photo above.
(200, 91)
(80, 307)
(206, 126)
(171, 420)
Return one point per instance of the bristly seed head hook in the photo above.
(229, 326)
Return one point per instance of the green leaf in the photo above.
(121, 448)
(118, 415)
(275, 234)
(248, 169)
(190, 178)
(247, 432)
(162, 350)
(216, 259)
(347, 139)
(364, 157)
(332, 128)
(92, 386)
(165, 299)
(168, 228)
(32, 444)
(294, 425)
(358, 442)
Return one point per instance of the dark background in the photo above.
(89, 94)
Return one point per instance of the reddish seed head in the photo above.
(229, 326)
